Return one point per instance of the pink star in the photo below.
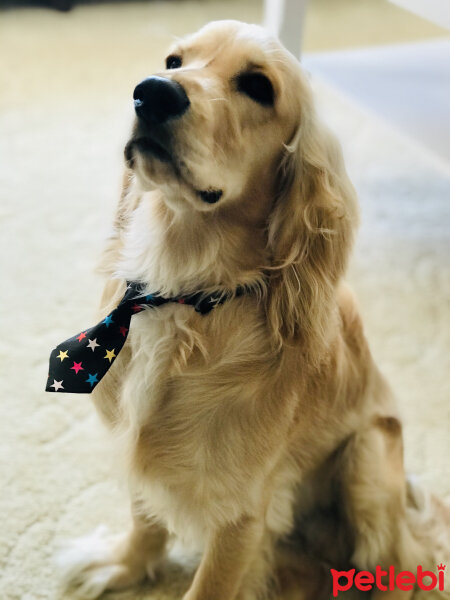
(77, 367)
(123, 330)
(137, 308)
(81, 337)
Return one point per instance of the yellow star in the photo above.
(110, 354)
(62, 355)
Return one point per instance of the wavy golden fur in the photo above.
(262, 434)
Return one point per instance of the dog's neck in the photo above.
(182, 252)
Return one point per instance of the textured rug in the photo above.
(65, 114)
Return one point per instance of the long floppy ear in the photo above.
(310, 235)
(114, 288)
(128, 201)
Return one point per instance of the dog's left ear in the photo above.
(310, 234)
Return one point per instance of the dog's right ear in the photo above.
(126, 204)
(128, 201)
(310, 235)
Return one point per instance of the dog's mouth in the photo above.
(147, 146)
(157, 148)
(210, 196)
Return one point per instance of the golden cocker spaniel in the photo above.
(262, 433)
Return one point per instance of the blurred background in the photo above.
(381, 74)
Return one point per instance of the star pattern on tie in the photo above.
(57, 385)
(62, 355)
(77, 367)
(110, 355)
(92, 379)
(93, 344)
(87, 366)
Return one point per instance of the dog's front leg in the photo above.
(99, 562)
(230, 552)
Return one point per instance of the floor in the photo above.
(344, 24)
(406, 84)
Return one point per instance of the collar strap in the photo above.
(78, 364)
(202, 302)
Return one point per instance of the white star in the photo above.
(93, 344)
(57, 385)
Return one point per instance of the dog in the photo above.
(261, 434)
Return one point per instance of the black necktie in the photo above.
(78, 364)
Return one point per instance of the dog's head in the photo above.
(213, 124)
(231, 122)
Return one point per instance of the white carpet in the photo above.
(65, 112)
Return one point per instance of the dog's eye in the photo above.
(173, 62)
(257, 86)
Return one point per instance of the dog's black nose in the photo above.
(158, 99)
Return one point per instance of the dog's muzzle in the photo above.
(157, 99)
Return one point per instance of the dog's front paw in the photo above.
(99, 562)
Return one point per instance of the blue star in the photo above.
(108, 320)
(149, 297)
(92, 379)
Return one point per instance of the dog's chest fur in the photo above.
(197, 391)
(190, 394)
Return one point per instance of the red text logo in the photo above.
(387, 580)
